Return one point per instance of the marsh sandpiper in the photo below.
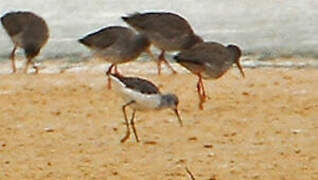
(142, 95)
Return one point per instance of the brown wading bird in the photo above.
(209, 60)
(166, 31)
(116, 45)
(142, 95)
(27, 31)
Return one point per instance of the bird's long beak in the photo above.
(240, 67)
(179, 118)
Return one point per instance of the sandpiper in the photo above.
(209, 60)
(116, 45)
(142, 95)
(27, 31)
(167, 31)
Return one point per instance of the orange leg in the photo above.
(12, 57)
(116, 70)
(154, 58)
(159, 64)
(29, 61)
(109, 72)
(163, 59)
(202, 88)
(148, 51)
(201, 92)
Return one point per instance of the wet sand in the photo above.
(69, 126)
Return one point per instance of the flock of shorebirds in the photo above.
(117, 45)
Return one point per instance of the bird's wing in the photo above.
(106, 37)
(205, 57)
(168, 25)
(16, 22)
(138, 84)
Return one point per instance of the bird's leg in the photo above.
(127, 125)
(126, 121)
(201, 92)
(203, 95)
(133, 125)
(154, 58)
(35, 67)
(29, 61)
(159, 62)
(108, 72)
(12, 57)
(116, 70)
(148, 51)
(202, 87)
(162, 58)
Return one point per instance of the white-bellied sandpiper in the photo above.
(142, 95)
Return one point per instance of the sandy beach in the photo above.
(68, 126)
